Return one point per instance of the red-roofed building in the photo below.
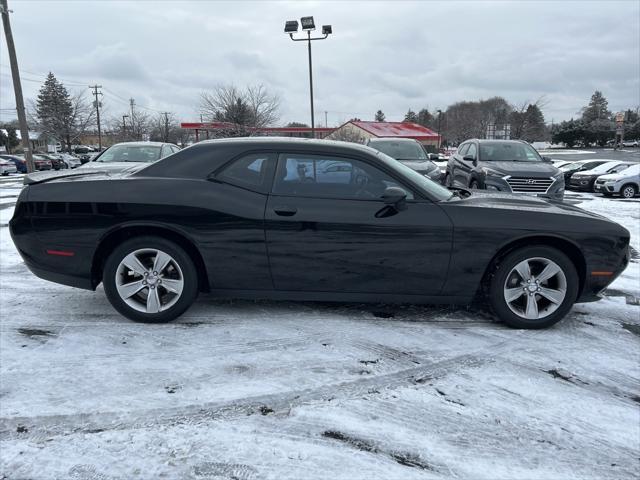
(357, 130)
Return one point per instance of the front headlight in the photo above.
(492, 173)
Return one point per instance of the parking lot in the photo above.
(253, 390)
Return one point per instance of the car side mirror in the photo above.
(469, 158)
(396, 197)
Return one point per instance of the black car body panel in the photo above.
(331, 249)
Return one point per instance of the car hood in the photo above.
(523, 169)
(419, 165)
(528, 203)
(612, 177)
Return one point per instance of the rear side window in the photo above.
(253, 171)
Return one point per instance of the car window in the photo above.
(472, 150)
(462, 149)
(174, 148)
(252, 171)
(331, 177)
(166, 151)
(400, 150)
(130, 153)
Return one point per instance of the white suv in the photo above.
(625, 183)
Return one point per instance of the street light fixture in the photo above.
(308, 25)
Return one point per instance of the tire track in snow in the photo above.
(96, 422)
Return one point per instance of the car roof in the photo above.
(390, 139)
(275, 142)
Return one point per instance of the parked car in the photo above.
(7, 167)
(630, 143)
(625, 183)
(56, 163)
(40, 163)
(585, 180)
(511, 166)
(20, 163)
(122, 156)
(579, 166)
(70, 161)
(252, 218)
(409, 152)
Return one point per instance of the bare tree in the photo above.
(253, 107)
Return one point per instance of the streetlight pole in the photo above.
(308, 25)
(439, 137)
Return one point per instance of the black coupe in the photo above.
(309, 220)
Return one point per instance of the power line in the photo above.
(97, 105)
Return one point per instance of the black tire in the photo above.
(628, 191)
(447, 180)
(189, 273)
(496, 294)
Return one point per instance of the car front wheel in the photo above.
(150, 279)
(628, 191)
(533, 287)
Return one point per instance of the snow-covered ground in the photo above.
(266, 390)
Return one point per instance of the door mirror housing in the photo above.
(469, 158)
(396, 197)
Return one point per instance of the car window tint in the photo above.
(331, 177)
(166, 151)
(472, 150)
(462, 149)
(250, 171)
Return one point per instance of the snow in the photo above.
(286, 390)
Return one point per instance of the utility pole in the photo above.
(124, 126)
(98, 105)
(132, 102)
(325, 119)
(207, 130)
(17, 86)
(166, 126)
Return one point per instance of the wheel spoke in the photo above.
(130, 289)
(132, 263)
(550, 271)
(174, 286)
(532, 307)
(512, 294)
(160, 262)
(523, 270)
(555, 296)
(153, 301)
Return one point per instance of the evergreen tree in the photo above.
(425, 118)
(379, 116)
(535, 128)
(598, 108)
(411, 116)
(568, 132)
(297, 125)
(10, 141)
(54, 110)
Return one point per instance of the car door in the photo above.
(467, 166)
(329, 231)
(458, 167)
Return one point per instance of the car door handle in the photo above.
(285, 211)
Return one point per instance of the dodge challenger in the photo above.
(280, 218)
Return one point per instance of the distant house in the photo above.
(357, 130)
(37, 140)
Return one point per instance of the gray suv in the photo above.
(511, 166)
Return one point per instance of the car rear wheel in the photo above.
(150, 279)
(628, 191)
(533, 287)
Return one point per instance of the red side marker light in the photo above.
(601, 274)
(61, 253)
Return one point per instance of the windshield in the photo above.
(130, 153)
(400, 150)
(571, 166)
(605, 167)
(508, 152)
(435, 190)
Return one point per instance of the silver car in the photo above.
(625, 183)
(123, 156)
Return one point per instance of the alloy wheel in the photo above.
(149, 280)
(535, 288)
(628, 192)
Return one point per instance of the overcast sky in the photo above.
(383, 55)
